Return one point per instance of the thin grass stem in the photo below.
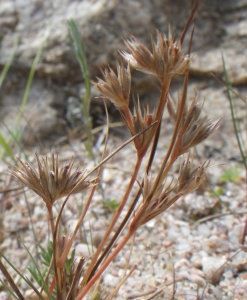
(172, 150)
(105, 264)
(113, 222)
(10, 281)
(88, 202)
(51, 218)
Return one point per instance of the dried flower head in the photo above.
(140, 120)
(52, 181)
(197, 133)
(193, 129)
(158, 198)
(155, 201)
(190, 179)
(116, 87)
(165, 60)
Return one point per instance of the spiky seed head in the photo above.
(141, 119)
(116, 87)
(155, 201)
(193, 129)
(190, 179)
(53, 180)
(158, 198)
(165, 60)
(197, 132)
(140, 58)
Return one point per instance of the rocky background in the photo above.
(220, 27)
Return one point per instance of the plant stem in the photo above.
(105, 265)
(163, 99)
(51, 218)
(162, 102)
(63, 257)
(173, 150)
(113, 222)
(10, 281)
(117, 233)
(245, 227)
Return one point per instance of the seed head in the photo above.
(197, 132)
(51, 181)
(165, 60)
(140, 120)
(190, 179)
(193, 129)
(155, 201)
(116, 87)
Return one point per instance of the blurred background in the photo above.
(54, 98)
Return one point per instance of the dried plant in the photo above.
(156, 193)
(52, 181)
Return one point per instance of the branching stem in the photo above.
(113, 222)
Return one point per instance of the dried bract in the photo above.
(197, 132)
(116, 87)
(190, 179)
(193, 130)
(155, 201)
(142, 119)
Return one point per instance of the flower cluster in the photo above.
(52, 181)
(165, 60)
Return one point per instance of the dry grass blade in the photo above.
(10, 281)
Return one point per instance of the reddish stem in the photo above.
(104, 265)
(51, 288)
(113, 222)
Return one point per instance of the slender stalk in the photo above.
(61, 260)
(117, 233)
(63, 257)
(105, 264)
(245, 226)
(234, 113)
(113, 222)
(160, 177)
(54, 230)
(190, 20)
(51, 218)
(10, 281)
(162, 103)
(128, 118)
(154, 147)
(163, 99)
(238, 133)
(115, 291)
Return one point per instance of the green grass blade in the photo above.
(6, 147)
(46, 288)
(22, 276)
(30, 78)
(8, 141)
(11, 281)
(15, 134)
(79, 50)
(9, 62)
(237, 129)
(9, 289)
(3, 142)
